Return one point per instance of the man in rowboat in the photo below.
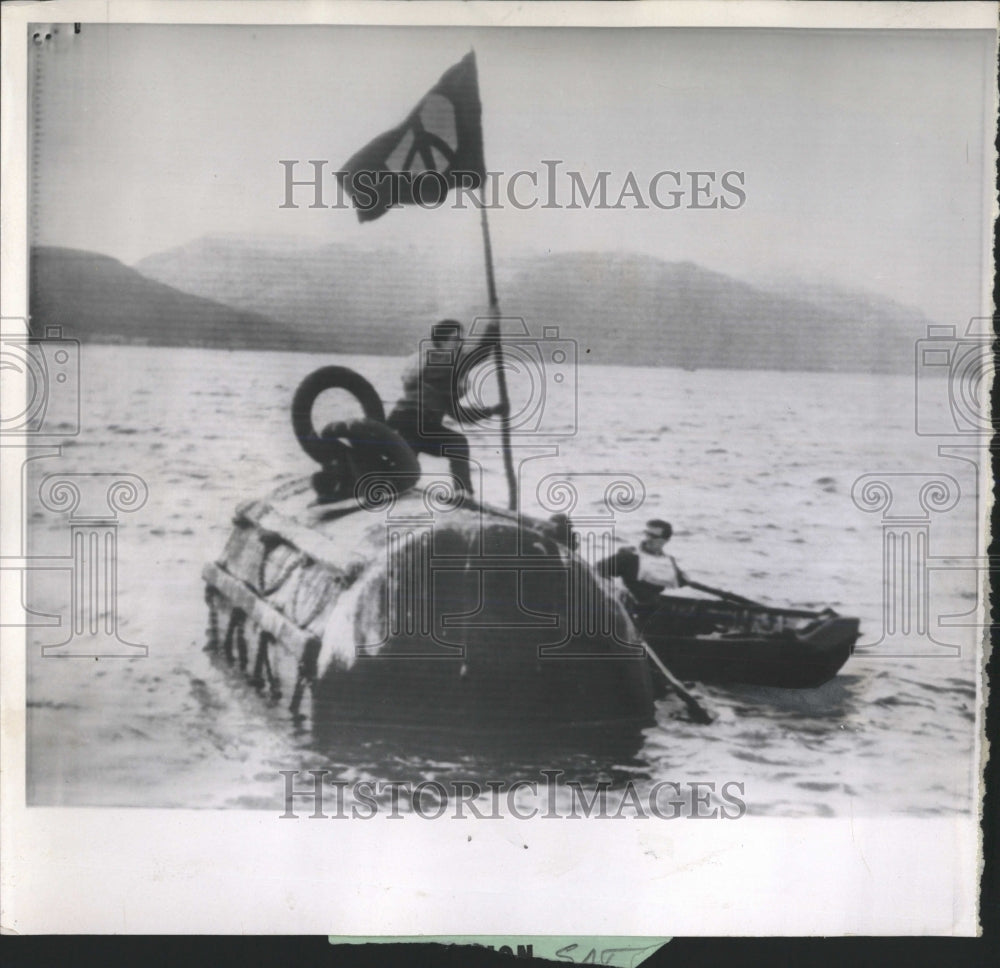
(647, 570)
(434, 385)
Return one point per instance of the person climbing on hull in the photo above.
(434, 390)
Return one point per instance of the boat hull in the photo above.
(715, 642)
(423, 617)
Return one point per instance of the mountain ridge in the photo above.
(620, 307)
(96, 298)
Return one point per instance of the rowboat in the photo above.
(718, 641)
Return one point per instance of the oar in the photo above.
(740, 600)
(698, 709)
(729, 596)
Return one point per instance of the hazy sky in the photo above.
(863, 153)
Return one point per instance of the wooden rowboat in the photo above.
(727, 642)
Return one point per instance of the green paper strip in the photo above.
(600, 950)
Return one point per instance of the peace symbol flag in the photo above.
(438, 147)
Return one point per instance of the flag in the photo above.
(439, 146)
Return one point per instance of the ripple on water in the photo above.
(890, 735)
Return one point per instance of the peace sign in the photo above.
(431, 135)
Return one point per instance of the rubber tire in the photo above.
(377, 447)
(374, 454)
(330, 378)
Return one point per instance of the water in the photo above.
(754, 469)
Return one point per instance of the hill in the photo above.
(338, 297)
(96, 298)
(624, 308)
(636, 309)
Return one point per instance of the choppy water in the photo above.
(753, 468)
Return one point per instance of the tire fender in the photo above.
(322, 449)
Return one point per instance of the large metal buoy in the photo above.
(357, 597)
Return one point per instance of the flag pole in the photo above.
(491, 288)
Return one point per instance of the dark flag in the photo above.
(439, 146)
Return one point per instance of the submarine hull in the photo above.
(413, 613)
